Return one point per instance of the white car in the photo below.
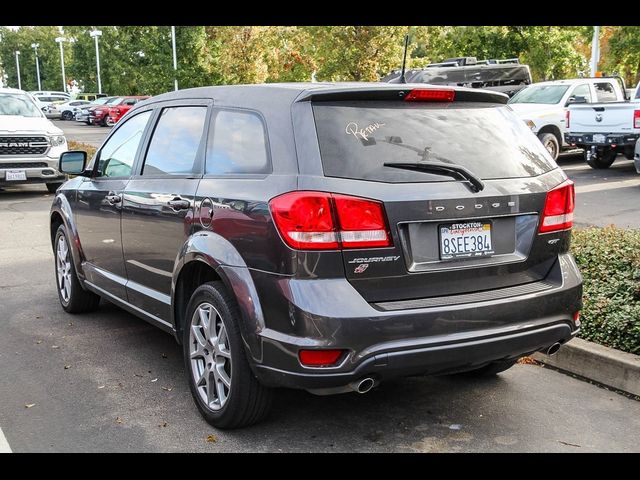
(65, 110)
(543, 106)
(30, 145)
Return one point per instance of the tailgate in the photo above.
(602, 118)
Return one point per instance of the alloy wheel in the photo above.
(210, 356)
(63, 267)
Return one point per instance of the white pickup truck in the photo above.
(604, 129)
(543, 105)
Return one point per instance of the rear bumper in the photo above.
(582, 140)
(385, 344)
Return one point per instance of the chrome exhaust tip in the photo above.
(553, 349)
(363, 385)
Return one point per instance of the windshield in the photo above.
(357, 138)
(116, 101)
(547, 94)
(18, 104)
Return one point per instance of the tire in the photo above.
(491, 369)
(87, 122)
(604, 160)
(108, 122)
(103, 122)
(52, 187)
(629, 153)
(73, 298)
(66, 115)
(245, 401)
(550, 142)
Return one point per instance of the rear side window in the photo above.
(582, 91)
(605, 92)
(357, 138)
(237, 144)
(176, 139)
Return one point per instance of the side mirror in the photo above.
(73, 162)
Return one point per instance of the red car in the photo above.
(117, 110)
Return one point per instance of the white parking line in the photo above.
(4, 445)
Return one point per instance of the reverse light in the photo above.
(430, 95)
(325, 221)
(636, 119)
(558, 208)
(319, 358)
(576, 318)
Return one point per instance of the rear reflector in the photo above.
(558, 208)
(430, 95)
(329, 221)
(319, 358)
(636, 119)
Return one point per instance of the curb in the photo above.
(604, 365)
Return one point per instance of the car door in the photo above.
(158, 204)
(98, 206)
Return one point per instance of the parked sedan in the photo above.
(83, 114)
(65, 110)
(117, 112)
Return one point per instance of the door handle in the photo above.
(179, 203)
(113, 198)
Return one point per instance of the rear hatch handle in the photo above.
(452, 170)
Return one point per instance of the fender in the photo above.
(221, 255)
(61, 206)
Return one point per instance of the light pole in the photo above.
(18, 69)
(175, 62)
(35, 47)
(595, 51)
(95, 34)
(60, 40)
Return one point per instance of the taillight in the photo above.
(558, 208)
(325, 221)
(430, 95)
(636, 119)
(567, 118)
(319, 358)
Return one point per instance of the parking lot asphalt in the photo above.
(81, 132)
(107, 381)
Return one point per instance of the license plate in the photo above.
(467, 239)
(15, 175)
(598, 138)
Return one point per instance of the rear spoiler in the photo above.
(339, 94)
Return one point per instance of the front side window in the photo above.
(119, 152)
(605, 92)
(176, 140)
(237, 144)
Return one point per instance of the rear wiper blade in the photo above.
(455, 171)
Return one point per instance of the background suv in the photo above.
(323, 236)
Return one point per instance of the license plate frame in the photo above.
(467, 228)
(15, 175)
(599, 138)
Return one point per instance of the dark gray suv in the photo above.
(323, 236)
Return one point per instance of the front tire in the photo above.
(73, 298)
(223, 386)
(602, 161)
(550, 142)
(66, 115)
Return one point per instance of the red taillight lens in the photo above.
(567, 118)
(430, 95)
(362, 222)
(558, 208)
(305, 220)
(325, 221)
(319, 358)
(636, 119)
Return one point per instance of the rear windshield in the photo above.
(357, 138)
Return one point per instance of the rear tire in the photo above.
(604, 160)
(491, 369)
(223, 386)
(52, 187)
(550, 142)
(73, 298)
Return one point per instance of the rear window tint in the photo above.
(357, 138)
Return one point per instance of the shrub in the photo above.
(609, 259)
(90, 149)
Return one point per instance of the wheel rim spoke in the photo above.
(63, 269)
